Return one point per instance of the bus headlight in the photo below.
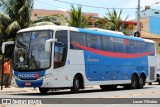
(45, 76)
(16, 77)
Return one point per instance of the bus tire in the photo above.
(141, 81)
(76, 85)
(134, 82)
(43, 90)
(159, 83)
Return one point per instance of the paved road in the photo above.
(149, 91)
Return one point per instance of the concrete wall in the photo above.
(157, 41)
(150, 12)
(145, 21)
(154, 24)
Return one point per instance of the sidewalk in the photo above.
(17, 89)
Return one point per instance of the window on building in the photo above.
(156, 12)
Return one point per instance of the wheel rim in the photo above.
(77, 84)
(141, 81)
(134, 82)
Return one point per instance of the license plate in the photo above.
(27, 83)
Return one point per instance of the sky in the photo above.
(55, 5)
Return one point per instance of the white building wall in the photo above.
(149, 12)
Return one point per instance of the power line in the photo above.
(89, 5)
(47, 3)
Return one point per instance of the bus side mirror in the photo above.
(48, 44)
(4, 45)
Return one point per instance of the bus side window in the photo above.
(59, 56)
(60, 49)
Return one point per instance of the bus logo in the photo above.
(119, 40)
(125, 42)
(35, 75)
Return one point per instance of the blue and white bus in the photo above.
(59, 57)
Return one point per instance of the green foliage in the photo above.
(47, 20)
(77, 19)
(42, 23)
(112, 21)
(14, 15)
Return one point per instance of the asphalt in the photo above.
(17, 89)
(30, 90)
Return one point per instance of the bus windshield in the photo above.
(30, 52)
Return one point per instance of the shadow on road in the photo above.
(68, 92)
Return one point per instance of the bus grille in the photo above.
(152, 73)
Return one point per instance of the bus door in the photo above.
(60, 49)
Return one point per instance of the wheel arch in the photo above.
(136, 74)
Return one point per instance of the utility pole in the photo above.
(138, 18)
(2, 71)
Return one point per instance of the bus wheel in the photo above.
(76, 85)
(43, 90)
(134, 82)
(141, 81)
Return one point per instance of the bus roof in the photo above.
(48, 27)
(95, 31)
(104, 30)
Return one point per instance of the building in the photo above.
(151, 20)
(38, 13)
(150, 27)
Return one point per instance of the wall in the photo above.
(145, 23)
(154, 24)
(157, 41)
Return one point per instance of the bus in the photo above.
(62, 57)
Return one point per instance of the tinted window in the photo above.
(78, 38)
(107, 45)
(60, 49)
(132, 47)
(93, 41)
(61, 36)
(141, 46)
(151, 48)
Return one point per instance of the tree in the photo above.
(48, 20)
(15, 15)
(103, 23)
(77, 19)
(112, 21)
(115, 20)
